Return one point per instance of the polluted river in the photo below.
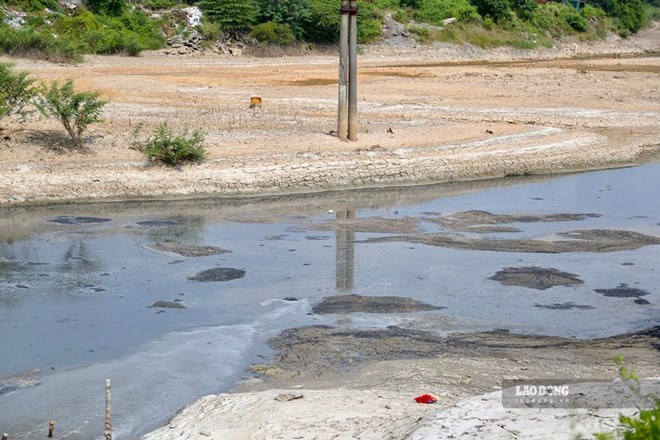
(175, 300)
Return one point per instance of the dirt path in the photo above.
(429, 114)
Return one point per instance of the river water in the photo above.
(74, 298)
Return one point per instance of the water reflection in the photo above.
(19, 223)
(345, 249)
(175, 229)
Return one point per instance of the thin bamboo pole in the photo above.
(108, 411)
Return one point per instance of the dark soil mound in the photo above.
(159, 223)
(167, 305)
(535, 277)
(188, 250)
(72, 220)
(218, 274)
(370, 304)
(623, 291)
(564, 306)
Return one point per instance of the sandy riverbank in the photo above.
(427, 114)
(329, 383)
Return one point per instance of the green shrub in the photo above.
(173, 149)
(524, 8)
(34, 5)
(451, 34)
(422, 33)
(435, 11)
(653, 13)
(402, 16)
(273, 33)
(551, 17)
(75, 110)
(106, 7)
(497, 9)
(210, 30)
(132, 32)
(627, 14)
(389, 5)
(369, 23)
(16, 91)
(590, 12)
(521, 43)
(575, 20)
(158, 4)
(36, 43)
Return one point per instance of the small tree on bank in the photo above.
(16, 91)
(75, 110)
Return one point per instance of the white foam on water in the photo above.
(148, 385)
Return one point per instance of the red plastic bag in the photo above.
(426, 398)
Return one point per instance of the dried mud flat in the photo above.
(588, 240)
(307, 353)
(426, 114)
(329, 382)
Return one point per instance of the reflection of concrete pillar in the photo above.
(345, 249)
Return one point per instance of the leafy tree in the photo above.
(323, 26)
(295, 13)
(525, 8)
(16, 91)
(497, 9)
(75, 110)
(324, 22)
(231, 15)
(629, 15)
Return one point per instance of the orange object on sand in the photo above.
(426, 398)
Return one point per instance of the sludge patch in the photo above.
(534, 277)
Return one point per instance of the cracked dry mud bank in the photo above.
(434, 114)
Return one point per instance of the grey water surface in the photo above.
(76, 293)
